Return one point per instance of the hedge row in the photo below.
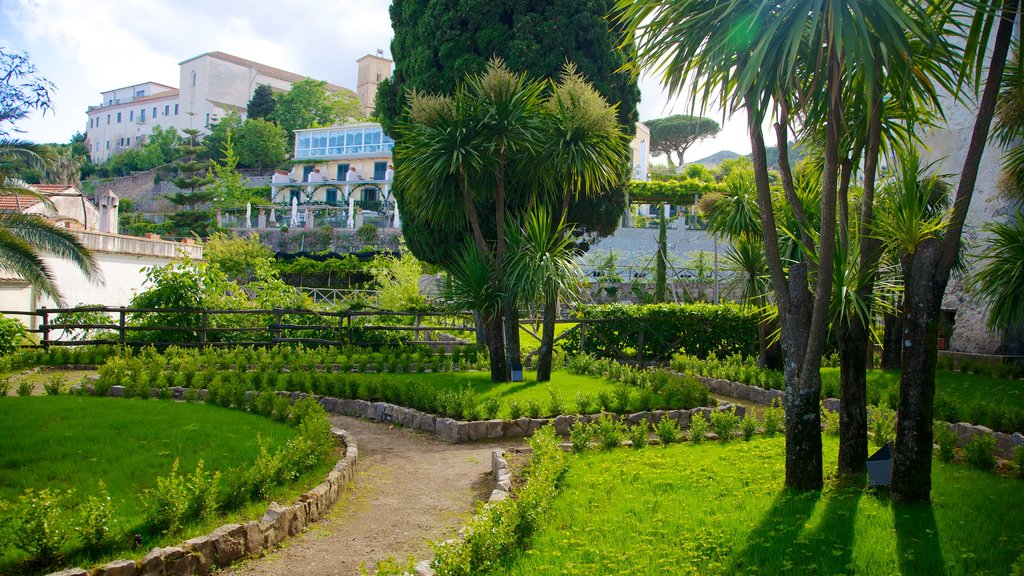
(698, 329)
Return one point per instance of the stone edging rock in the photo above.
(232, 542)
(1005, 443)
(464, 431)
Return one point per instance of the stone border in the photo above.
(457, 431)
(965, 431)
(232, 542)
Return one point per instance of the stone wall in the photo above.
(232, 542)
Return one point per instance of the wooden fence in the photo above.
(199, 327)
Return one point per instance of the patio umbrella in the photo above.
(248, 214)
(295, 211)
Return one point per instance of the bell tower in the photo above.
(373, 68)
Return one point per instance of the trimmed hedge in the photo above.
(698, 329)
(677, 192)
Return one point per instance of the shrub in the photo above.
(12, 332)
(946, 438)
(533, 408)
(667, 430)
(515, 409)
(980, 452)
(725, 423)
(609, 432)
(5, 385)
(580, 435)
(55, 385)
(1018, 459)
(774, 418)
(830, 420)
(621, 395)
(699, 427)
(882, 422)
(490, 407)
(645, 399)
(700, 328)
(95, 521)
(604, 401)
(24, 388)
(638, 433)
(201, 487)
(749, 427)
(556, 405)
(167, 505)
(43, 525)
(585, 403)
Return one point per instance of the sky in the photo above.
(87, 47)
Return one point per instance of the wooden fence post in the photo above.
(583, 336)
(45, 327)
(276, 328)
(121, 324)
(202, 329)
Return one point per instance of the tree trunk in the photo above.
(496, 347)
(912, 460)
(513, 356)
(547, 339)
(853, 415)
(892, 351)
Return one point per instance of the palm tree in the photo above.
(765, 56)
(25, 237)
(1001, 278)
(544, 269)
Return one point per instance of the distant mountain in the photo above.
(716, 158)
(796, 154)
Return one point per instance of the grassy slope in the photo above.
(76, 441)
(963, 389)
(562, 382)
(721, 509)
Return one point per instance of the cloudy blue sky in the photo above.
(86, 47)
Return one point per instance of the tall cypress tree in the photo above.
(262, 102)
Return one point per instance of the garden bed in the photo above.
(67, 442)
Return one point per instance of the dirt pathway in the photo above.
(410, 489)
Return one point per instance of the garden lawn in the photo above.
(721, 509)
(962, 388)
(73, 442)
(562, 382)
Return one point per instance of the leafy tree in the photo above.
(241, 258)
(309, 104)
(213, 143)
(261, 144)
(675, 134)
(161, 147)
(261, 104)
(226, 183)
(22, 90)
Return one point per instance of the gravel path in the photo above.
(410, 489)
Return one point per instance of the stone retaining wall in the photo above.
(232, 542)
(1005, 443)
(463, 431)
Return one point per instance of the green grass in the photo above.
(73, 442)
(562, 382)
(960, 387)
(721, 509)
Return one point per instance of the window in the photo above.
(379, 170)
(342, 171)
(128, 141)
(294, 196)
(332, 195)
(167, 110)
(118, 117)
(207, 120)
(108, 144)
(306, 170)
(108, 119)
(139, 93)
(154, 111)
(142, 115)
(369, 194)
(131, 115)
(175, 109)
(120, 142)
(193, 78)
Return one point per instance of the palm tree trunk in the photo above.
(496, 347)
(547, 338)
(912, 460)
(853, 415)
(513, 354)
(925, 282)
(892, 352)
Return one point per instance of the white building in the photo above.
(209, 86)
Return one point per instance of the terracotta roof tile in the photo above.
(16, 203)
